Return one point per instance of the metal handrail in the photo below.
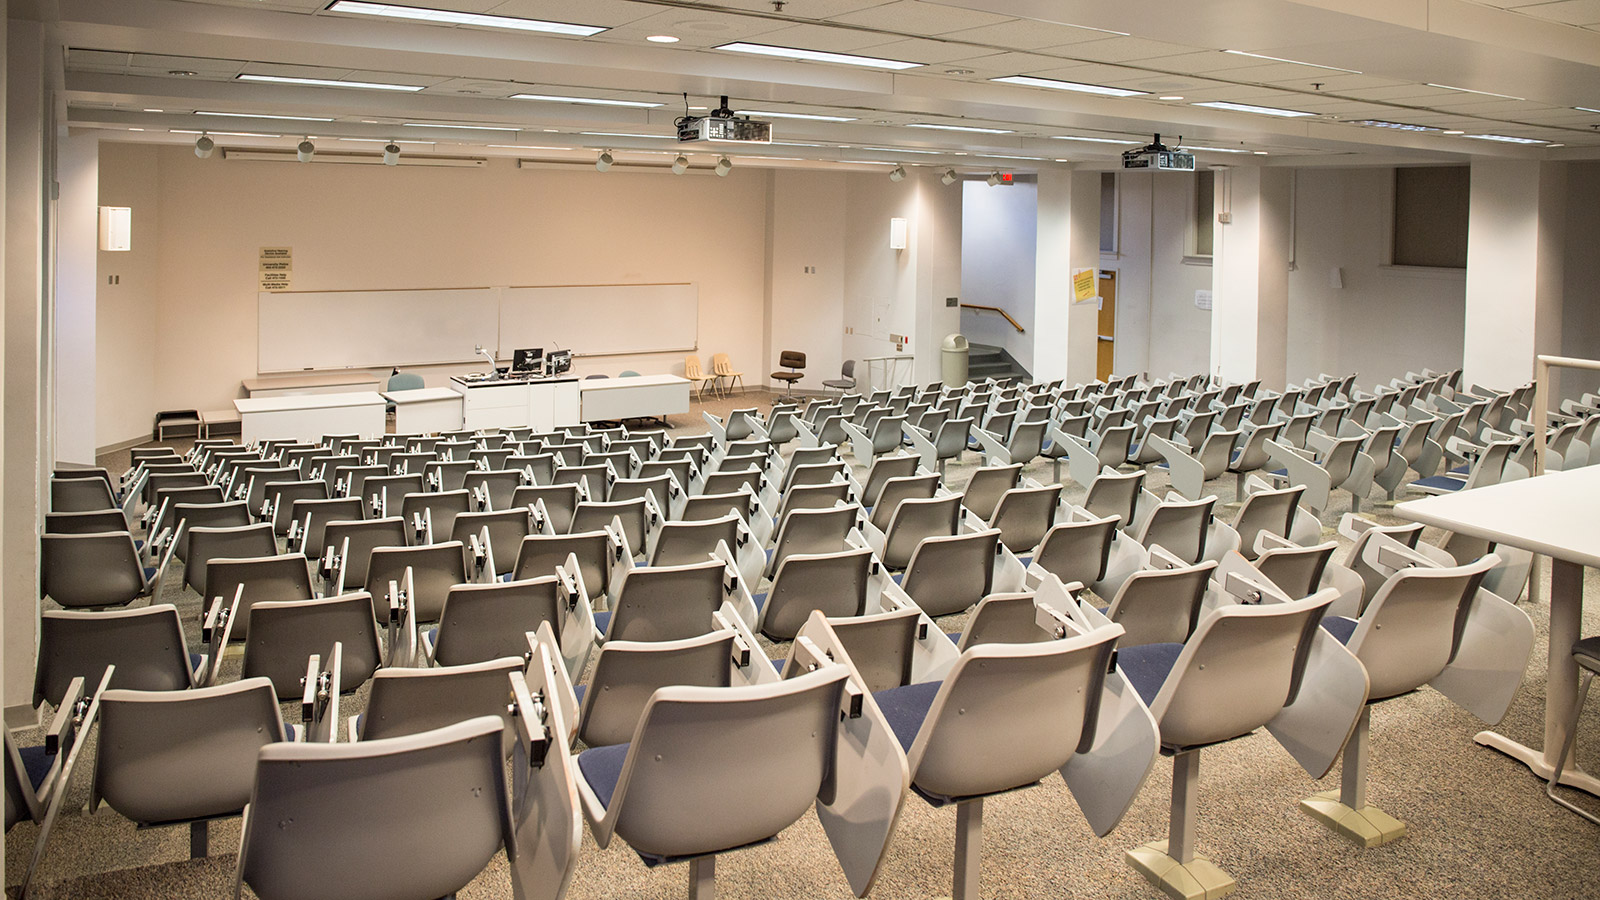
(997, 309)
(1541, 398)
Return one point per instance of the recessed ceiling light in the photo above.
(1298, 62)
(181, 72)
(972, 128)
(1259, 152)
(451, 17)
(240, 115)
(848, 59)
(155, 110)
(795, 144)
(1578, 108)
(1554, 145)
(626, 134)
(526, 147)
(1079, 87)
(1454, 131)
(385, 141)
(958, 71)
(662, 39)
(135, 129)
(462, 127)
(1091, 140)
(903, 150)
(1503, 138)
(1170, 97)
(586, 101)
(1004, 156)
(1258, 110)
(789, 115)
(329, 82)
(1471, 91)
(221, 133)
(1214, 149)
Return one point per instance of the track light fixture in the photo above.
(680, 165)
(898, 173)
(949, 176)
(993, 179)
(724, 166)
(605, 161)
(391, 154)
(305, 151)
(203, 145)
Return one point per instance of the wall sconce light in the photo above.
(897, 234)
(116, 228)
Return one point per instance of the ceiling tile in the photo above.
(609, 13)
(1571, 12)
(1123, 49)
(912, 17)
(822, 37)
(1025, 34)
(693, 28)
(920, 50)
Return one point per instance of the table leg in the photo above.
(1561, 687)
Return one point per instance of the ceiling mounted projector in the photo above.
(722, 126)
(1155, 155)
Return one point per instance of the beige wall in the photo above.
(125, 313)
(358, 227)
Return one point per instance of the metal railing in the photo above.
(997, 309)
(1541, 398)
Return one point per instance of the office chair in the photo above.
(794, 361)
(846, 380)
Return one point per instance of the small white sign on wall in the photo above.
(1202, 299)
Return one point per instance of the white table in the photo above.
(343, 382)
(892, 377)
(1552, 515)
(633, 397)
(425, 410)
(307, 417)
(540, 403)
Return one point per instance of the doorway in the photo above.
(1105, 353)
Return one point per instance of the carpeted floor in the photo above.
(1480, 825)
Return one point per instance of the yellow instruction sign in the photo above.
(276, 268)
(1083, 285)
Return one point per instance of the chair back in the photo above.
(1409, 631)
(1161, 606)
(691, 368)
(634, 515)
(1270, 511)
(97, 521)
(659, 486)
(1115, 494)
(363, 537)
(881, 645)
(435, 569)
(507, 528)
(411, 701)
(949, 573)
(1025, 515)
(90, 570)
(1254, 454)
(431, 844)
(481, 622)
(80, 495)
(405, 381)
(883, 469)
(280, 496)
(682, 543)
(987, 485)
(238, 542)
(666, 603)
(1294, 569)
(314, 516)
(792, 359)
(146, 645)
(284, 634)
(1180, 527)
(174, 756)
(441, 507)
(897, 490)
(264, 578)
(1078, 550)
(628, 673)
(1009, 618)
(835, 583)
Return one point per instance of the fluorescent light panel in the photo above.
(527, 147)
(240, 115)
(585, 101)
(846, 59)
(1077, 86)
(1471, 91)
(1214, 149)
(221, 133)
(1503, 138)
(329, 82)
(1578, 108)
(626, 134)
(386, 141)
(1091, 140)
(904, 150)
(1258, 110)
(789, 115)
(449, 17)
(1298, 62)
(972, 128)
(1395, 126)
(462, 127)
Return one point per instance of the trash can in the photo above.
(953, 360)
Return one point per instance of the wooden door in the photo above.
(1105, 355)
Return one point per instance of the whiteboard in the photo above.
(299, 330)
(593, 320)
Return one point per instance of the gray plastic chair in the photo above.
(1025, 516)
(81, 495)
(947, 574)
(539, 555)
(1077, 551)
(945, 442)
(560, 502)
(352, 543)
(333, 793)
(835, 583)
(987, 485)
(483, 622)
(410, 701)
(309, 521)
(634, 515)
(264, 579)
(146, 645)
(1115, 494)
(681, 768)
(628, 673)
(493, 489)
(665, 603)
(1179, 527)
(1158, 606)
(1270, 511)
(280, 497)
(283, 635)
(436, 508)
(897, 490)
(91, 571)
(682, 543)
(206, 544)
(813, 531)
(846, 380)
(435, 569)
(916, 520)
(506, 529)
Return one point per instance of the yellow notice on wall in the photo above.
(276, 268)
(1084, 286)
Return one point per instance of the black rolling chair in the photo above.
(794, 361)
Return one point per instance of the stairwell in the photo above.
(989, 361)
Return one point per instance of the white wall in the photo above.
(999, 231)
(78, 235)
(1180, 333)
(806, 270)
(1580, 316)
(359, 227)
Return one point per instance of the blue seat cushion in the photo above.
(1340, 627)
(1282, 473)
(1440, 483)
(1460, 470)
(37, 763)
(1147, 666)
(760, 600)
(778, 664)
(770, 552)
(1233, 457)
(580, 690)
(291, 732)
(150, 573)
(954, 636)
(1025, 560)
(433, 635)
(602, 622)
(905, 708)
(194, 661)
(601, 768)
(897, 576)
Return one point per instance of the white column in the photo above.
(936, 241)
(20, 469)
(1064, 334)
(77, 220)
(1250, 276)
(1514, 262)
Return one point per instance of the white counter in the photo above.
(633, 397)
(307, 417)
(325, 383)
(425, 410)
(539, 403)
